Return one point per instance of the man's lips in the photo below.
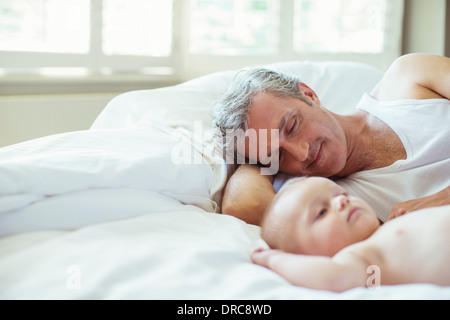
(317, 156)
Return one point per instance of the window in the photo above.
(91, 35)
(187, 38)
(138, 28)
(44, 26)
(247, 32)
(253, 26)
(344, 26)
(234, 27)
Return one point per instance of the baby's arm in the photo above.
(315, 272)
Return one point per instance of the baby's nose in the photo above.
(340, 202)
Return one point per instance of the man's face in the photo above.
(311, 141)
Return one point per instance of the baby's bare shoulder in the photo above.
(363, 254)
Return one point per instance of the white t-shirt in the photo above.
(424, 129)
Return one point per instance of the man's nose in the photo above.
(298, 150)
(340, 202)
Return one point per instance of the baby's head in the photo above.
(316, 216)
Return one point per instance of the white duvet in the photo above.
(116, 212)
(73, 171)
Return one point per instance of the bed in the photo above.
(130, 209)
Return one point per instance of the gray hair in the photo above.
(230, 114)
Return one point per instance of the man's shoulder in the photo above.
(405, 79)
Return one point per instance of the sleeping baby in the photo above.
(322, 238)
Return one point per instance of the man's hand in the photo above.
(439, 199)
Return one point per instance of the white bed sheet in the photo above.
(106, 214)
(181, 253)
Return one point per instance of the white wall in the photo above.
(27, 117)
(424, 26)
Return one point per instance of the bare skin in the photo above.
(315, 141)
(325, 239)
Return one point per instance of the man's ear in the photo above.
(308, 92)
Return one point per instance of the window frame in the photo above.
(202, 64)
(182, 65)
(95, 61)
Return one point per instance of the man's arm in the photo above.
(247, 194)
(415, 76)
(439, 199)
(315, 272)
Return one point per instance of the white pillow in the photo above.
(188, 106)
(340, 86)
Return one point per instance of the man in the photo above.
(396, 146)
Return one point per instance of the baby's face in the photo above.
(322, 219)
